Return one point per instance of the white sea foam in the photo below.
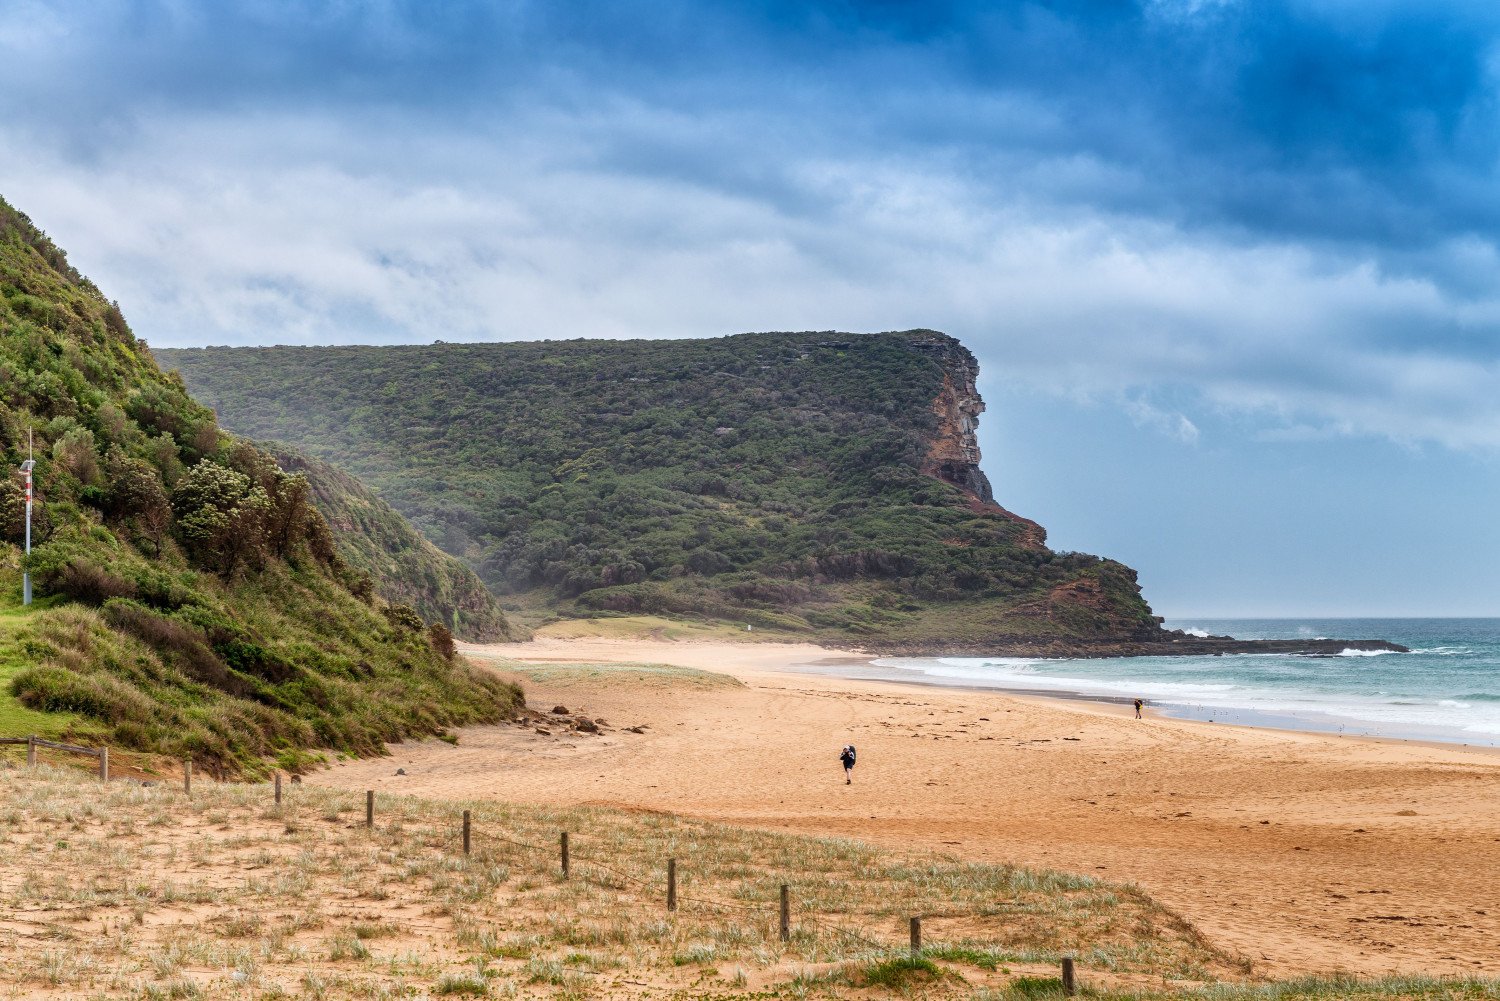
(1358, 698)
(1363, 653)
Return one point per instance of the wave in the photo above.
(1347, 652)
(1360, 697)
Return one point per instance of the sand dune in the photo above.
(1303, 852)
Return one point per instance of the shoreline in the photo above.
(863, 668)
(1301, 851)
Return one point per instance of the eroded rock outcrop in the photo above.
(953, 453)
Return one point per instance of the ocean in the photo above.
(1446, 689)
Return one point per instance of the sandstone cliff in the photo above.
(953, 452)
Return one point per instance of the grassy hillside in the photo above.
(406, 569)
(193, 602)
(824, 485)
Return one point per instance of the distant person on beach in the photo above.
(1138, 706)
(846, 757)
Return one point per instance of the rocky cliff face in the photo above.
(953, 453)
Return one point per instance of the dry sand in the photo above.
(1304, 852)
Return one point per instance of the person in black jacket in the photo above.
(846, 756)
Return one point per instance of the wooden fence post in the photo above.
(563, 847)
(1069, 978)
(103, 764)
(369, 807)
(278, 788)
(187, 776)
(466, 832)
(786, 914)
(916, 937)
(671, 884)
(31, 751)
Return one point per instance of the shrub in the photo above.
(86, 582)
(404, 617)
(55, 689)
(220, 516)
(177, 643)
(899, 973)
(442, 640)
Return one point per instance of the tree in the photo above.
(221, 518)
(136, 496)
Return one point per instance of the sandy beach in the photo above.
(1302, 852)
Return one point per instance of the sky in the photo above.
(1230, 268)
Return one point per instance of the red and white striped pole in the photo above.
(26, 468)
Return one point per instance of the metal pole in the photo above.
(26, 468)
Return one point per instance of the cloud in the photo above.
(1279, 210)
(1171, 424)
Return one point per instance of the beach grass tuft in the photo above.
(137, 890)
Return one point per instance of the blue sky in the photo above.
(1230, 267)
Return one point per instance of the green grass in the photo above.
(983, 959)
(1035, 988)
(625, 672)
(16, 621)
(614, 625)
(897, 974)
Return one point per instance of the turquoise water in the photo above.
(1447, 688)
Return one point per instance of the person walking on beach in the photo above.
(1138, 705)
(846, 757)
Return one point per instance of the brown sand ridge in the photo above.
(1302, 852)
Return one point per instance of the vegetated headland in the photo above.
(809, 486)
(192, 601)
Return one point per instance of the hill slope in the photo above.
(406, 568)
(816, 483)
(191, 599)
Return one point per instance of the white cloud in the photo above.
(305, 229)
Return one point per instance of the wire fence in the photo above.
(571, 865)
